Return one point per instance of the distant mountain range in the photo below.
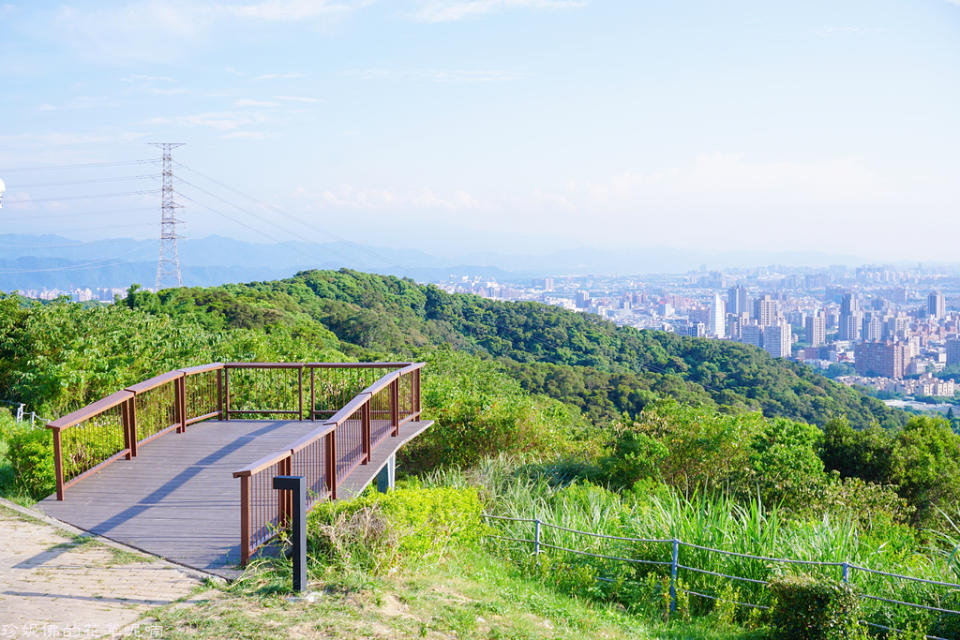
(52, 261)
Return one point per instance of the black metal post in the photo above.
(298, 485)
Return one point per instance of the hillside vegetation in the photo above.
(575, 357)
(543, 413)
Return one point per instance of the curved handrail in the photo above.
(327, 456)
(93, 436)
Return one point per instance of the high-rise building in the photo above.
(777, 340)
(953, 351)
(887, 359)
(752, 334)
(872, 327)
(849, 323)
(583, 299)
(718, 317)
(817, 329)
(737, 299)
(936, 305)
(766, 311)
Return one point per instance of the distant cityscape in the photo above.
(892, 330)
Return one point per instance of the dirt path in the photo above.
(54, 583)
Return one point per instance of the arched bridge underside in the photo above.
(181, 465)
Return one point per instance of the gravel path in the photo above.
(56, 583)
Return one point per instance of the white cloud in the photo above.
(347, 196)
(280, 76)
(293, 10)
(255, 103)
(161, 30)
(244, 135)
(438, 75)
(453, 10)
(305, 99)
(220, 120)
(139, 77)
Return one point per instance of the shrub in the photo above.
(378, 532)
(30, 452)
(809, 608)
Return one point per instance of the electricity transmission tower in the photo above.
(168, 265)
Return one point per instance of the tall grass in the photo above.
(655, 512)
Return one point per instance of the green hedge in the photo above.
(809, 608)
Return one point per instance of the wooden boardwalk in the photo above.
(178, 499)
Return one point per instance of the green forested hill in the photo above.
(579, 358)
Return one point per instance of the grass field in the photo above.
(471, 595)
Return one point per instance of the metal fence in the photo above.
(682, 559)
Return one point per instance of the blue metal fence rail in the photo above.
(675, 567)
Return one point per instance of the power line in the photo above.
(90, 181)
(81, 165)
(99, 195)
(280, 211)
(41, 216)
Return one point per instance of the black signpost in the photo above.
(298, 485)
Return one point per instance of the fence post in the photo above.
(332, 463)
(132, 424)
(300, 391)
(846, 572)
(365, 432)
(244, 520)
(225, 413)
(536, 540)
(313, 393)
(179, 390)
(220, 392)
(673, 575)
(395, 407)
(58, 462)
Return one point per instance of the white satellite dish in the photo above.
(3, 188)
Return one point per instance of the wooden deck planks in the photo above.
(177, 499)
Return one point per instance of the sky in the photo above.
(452, 126)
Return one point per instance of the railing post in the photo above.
(673, 575)
(313, 392)
(332, 463)
(58, 462)
(125, 425)
(365, 432)
(220, 392)
(132, 424)
(536, 540)
(395, 407)
(244, 519)
(415, 389)
(179, 390)
(284, 497)
(300, 393)
(225, 411)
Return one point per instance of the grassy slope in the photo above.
(470, 595)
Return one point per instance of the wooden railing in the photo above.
(114, 427)
(328, 455)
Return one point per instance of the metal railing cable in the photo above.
(676, 566)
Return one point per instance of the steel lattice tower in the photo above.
(168, 265)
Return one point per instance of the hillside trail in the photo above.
(56, 581)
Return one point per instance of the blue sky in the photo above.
(519, 125)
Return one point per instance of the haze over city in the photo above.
(452, 126)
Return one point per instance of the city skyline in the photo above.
(515, 125)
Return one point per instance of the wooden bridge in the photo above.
(181, 465)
